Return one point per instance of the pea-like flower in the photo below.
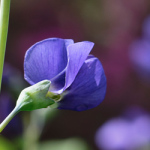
(78, 80)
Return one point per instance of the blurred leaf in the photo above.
(67, 144)
(6, 144)
(47, 114)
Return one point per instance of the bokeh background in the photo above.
(113, 26)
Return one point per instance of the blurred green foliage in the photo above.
(67, 144)
(5, 144)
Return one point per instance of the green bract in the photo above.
(31, 98)
(35, 97)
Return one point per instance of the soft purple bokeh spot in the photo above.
(140, 52)
(114, 135)
(124, 134)
(140, 55)
(146, 28)
(12, 82)
(66, 64)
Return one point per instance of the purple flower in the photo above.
(11, 76)
(75, 75)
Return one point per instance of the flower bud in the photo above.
(35, 97)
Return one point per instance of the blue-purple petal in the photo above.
(45, 59)
(68, 42)
(88, 89)
(58, 82)
(77, 54)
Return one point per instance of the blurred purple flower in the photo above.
(6, 105)
(140, 52)
(146, 28)
(140, 57)
(125, 134)
(12, 83)
(12, 76)
(74, 74)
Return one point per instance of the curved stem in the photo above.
(4, 21)
(8, 118)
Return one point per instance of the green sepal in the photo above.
(35, 97)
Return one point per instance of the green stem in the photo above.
(4, 21)
(34, 122)
(30, 139)
(9, 118)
